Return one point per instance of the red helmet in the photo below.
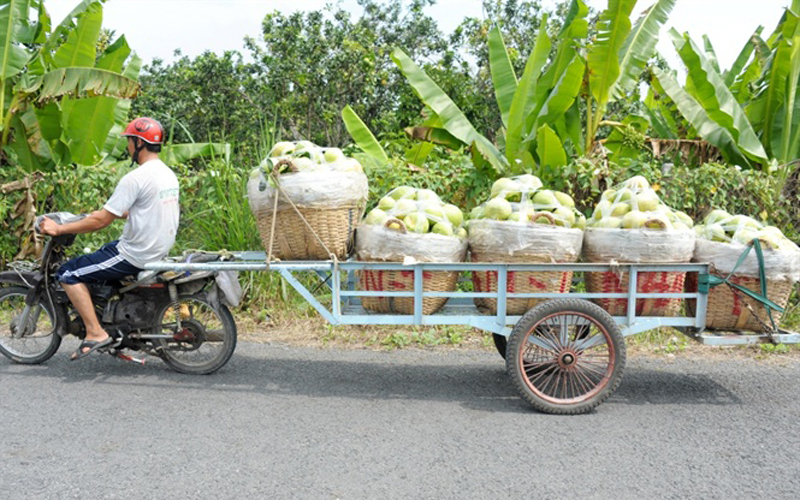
(147, 129)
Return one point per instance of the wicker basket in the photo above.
(403, 281)
(727, 310)
(517, 282)
(294, 240)
(647, 282)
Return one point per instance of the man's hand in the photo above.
(49, 227)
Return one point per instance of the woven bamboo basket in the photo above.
(647, 282)
(728, 310)
(294, 240)
(403, 281)
(517, 282)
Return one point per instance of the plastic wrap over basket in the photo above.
(378, 244)
(728, 310)
(332, 202)
(509, 242)
(637, 246)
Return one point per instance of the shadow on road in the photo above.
(286, 373)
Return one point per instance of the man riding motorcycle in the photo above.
(148, 198)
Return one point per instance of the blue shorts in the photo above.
(105, 264)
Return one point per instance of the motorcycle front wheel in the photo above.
(202, 338)
(29, 345)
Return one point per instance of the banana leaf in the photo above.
(772, 88)
(784, 145)
(640, 46)
(362, 135)
(115, 144)
(694, 113)
(67, 24)
(717, 100)
(175, 154)
(417, 154)
(503, 77)
(741, 60)
(453, 119)
(563, 94)
(25, 158)
(13, 15)
(524, 101)
(114, 56)
(86, 124)
(711, 54)
(434, 135)
(80, 49)
(613, 28)
(550, 151)
(78, 82)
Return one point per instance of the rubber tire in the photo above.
(516, 346)
(500, 343)
(55, 341)
(218, 362)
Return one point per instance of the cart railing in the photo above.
(345, 308)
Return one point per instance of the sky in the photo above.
(155, 28)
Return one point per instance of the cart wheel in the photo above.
(501, 343)
(566, 356)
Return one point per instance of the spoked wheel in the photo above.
(202, 337)
(29, 344)
(566, 356)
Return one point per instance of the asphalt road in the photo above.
(287, 422)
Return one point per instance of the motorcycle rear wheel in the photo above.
(205, 340)
(43, 341)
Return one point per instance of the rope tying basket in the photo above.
(307, 215)
(748, 293)
(381, 244)
(508, 242)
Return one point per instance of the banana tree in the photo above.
(750, 112)
(541, 110)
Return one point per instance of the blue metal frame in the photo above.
(346, 307)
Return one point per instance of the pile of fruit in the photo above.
(305, 156)
(408, 209)
(522, 200)
(635, 205)
(723, 227)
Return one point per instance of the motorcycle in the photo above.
(181, 318)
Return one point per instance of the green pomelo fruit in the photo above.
(619, 209)
(565, 216)
(403, 192)
(387, 203)
(544, 199)
(332, 155)
(580, 222)
(503, 186)
(454, 214)
(428, 195)
(647, 200)
(462, 233)
(716, 216)
(609, 223)
(376, 216)
(530, 182)
(497, 209)
(564, 199)
(608, 195)
(634, 219)
(404, 206)
(602, 209)
(417, 222)
(281, 149)
(443, 228)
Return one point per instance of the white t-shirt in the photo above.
(150, 195)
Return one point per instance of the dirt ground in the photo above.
(314, 331)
